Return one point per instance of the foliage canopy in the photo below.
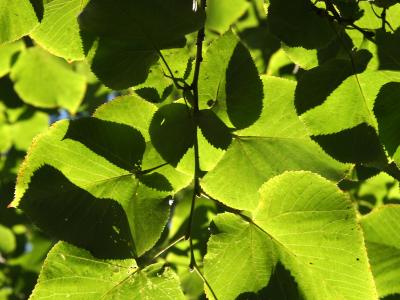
(253, 151)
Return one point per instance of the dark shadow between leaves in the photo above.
(386, 109)
(388, 49)
(244, 89)
(281, 286)
(8, 96)
(392, 297)
(70, 213)
(359, 144)
(125, 39)
(118, 143)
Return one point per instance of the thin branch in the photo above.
(350, 23)
(147, 171)
(196, 110)
(171, 74)
(120, 283)
(196, 268)
(162, 251)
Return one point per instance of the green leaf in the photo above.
(229, 83)
(305, 58)
(64, 87)
(297, 23)
(17, 18)
(172, 131)
(111, 191)
(27, 124)
(315, 85)
(239, 258)
(58, 32)
(360, 92)
(381, 231)
(99, 162)
(382, 188)
(221, 14)
(73, 273)
(352, 133)
(277, 142)
(99, 136)
(313, 228)
(130, 34)
(71, 214)
(8, 53)
(7, 240)
(120, 110)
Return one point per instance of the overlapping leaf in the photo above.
(73, 273)
(128, 35)
(229, 83)
(313, 229)
(277, 142)
(352, 122)
(96, 171)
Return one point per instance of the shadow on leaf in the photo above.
(118, 143)
(172, 132)
(244, 89)
(359, 144)
(70, 213)
(387, 107)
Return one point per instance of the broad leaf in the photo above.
(100, 162)
(17, 18)
(239, 258)
(360, 92)
(353, 124)
(381, 231)
(314, 227)
(229, 83)
(315, 234)
(73, 273)
(277, 142)
(130, 34)
(64, 87)
(58, 32)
